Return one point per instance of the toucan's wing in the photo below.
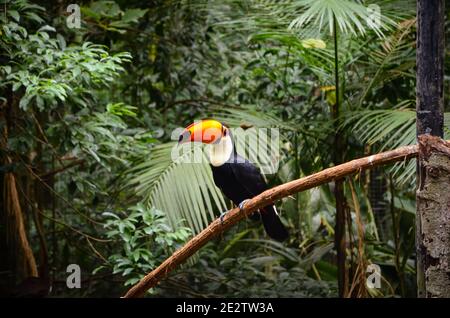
(248, 175)
(252, 180)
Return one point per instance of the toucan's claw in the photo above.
(222, 215)
(242, 204)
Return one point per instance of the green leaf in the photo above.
(133, 15)
(14, 14)
(46, 28)
(131, 281)
(16, 86)
(127, 271)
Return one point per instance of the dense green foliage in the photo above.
(87, 121)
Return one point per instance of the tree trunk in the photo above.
(433, 213)
(20, 258)
(430, 67)
(340, 242)
(17, 241)
(430, 117)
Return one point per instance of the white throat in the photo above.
(220, 152)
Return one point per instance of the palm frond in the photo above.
(394, 58)
(351, 17)
(251, 116)
(184, 191)
(390, 128)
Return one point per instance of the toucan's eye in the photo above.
(180, 138)
(224, 132)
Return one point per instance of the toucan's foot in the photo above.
(242, 204)
(222, 215)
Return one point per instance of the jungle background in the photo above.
(87, 116)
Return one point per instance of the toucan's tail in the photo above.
(272, 224)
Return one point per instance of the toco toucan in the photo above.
(238, 179)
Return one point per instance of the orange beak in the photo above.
(207, 131)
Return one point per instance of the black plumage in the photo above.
(239, 180)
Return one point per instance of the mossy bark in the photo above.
(429, 92)
(433, 213)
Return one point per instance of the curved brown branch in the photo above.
(263, 199)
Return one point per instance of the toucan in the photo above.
(238, 178)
